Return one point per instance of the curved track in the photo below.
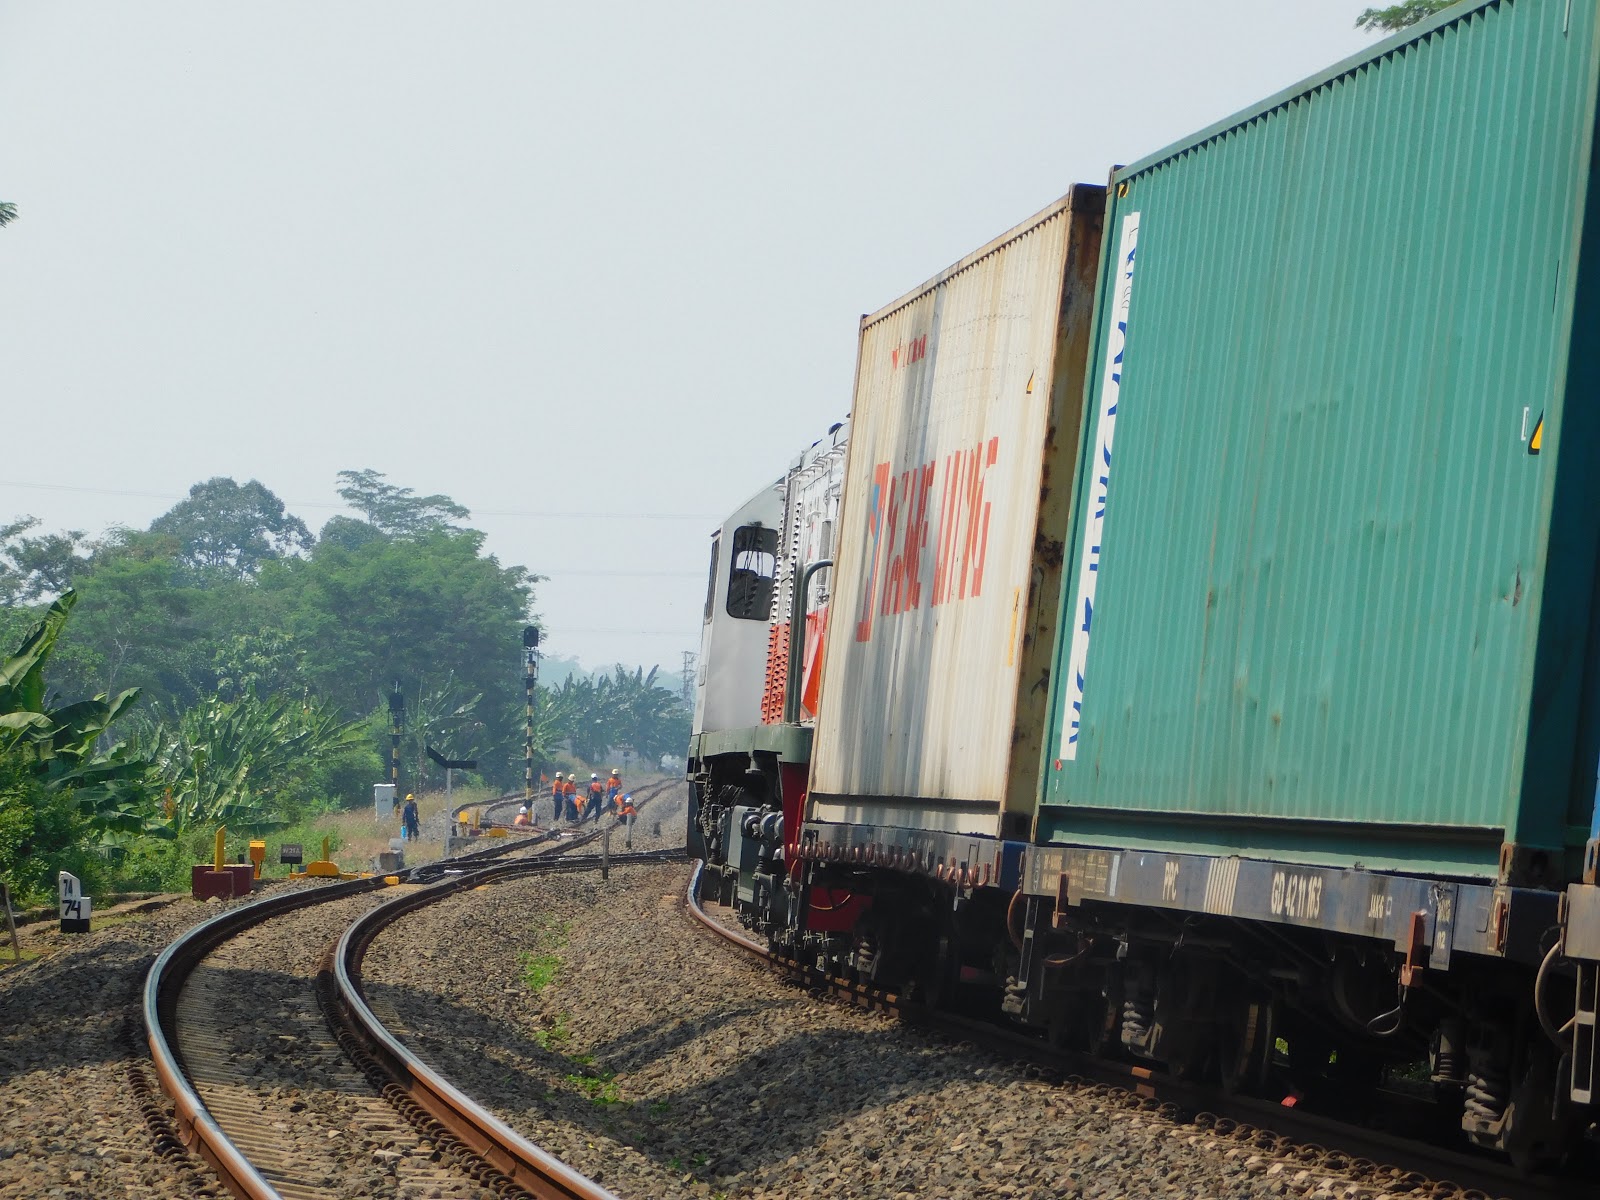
(231, 1032)
(1368, 1161)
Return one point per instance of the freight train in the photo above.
(1190, 647)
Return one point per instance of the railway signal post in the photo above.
(530, 658)
(397, 722)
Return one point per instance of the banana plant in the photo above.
(224, 761)
(61, 746)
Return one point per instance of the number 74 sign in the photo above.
(74, 905)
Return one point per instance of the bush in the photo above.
(41, 834)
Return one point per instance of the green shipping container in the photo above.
(1331, 592)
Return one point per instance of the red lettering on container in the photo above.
(909, 352)
(898, 524)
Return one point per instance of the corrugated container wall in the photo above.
(1330, 597)
(947, 581)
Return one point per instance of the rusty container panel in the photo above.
(944, 597)
(1332, 577)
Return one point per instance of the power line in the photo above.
(485, 512)
(559, 574)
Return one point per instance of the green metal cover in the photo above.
(1326, 605)
(791, 743)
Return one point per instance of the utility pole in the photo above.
(686, 683)
(397, 724)
(530, 657)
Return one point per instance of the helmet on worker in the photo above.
(558, 774)
(523, 810)
(594, 777)
(409, 796)
(614, 771)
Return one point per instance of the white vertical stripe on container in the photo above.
(1082, 612)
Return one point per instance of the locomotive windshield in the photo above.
(755, 567)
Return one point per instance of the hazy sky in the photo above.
(595, 271)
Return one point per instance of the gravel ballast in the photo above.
(72, 1059)
(660, 1062)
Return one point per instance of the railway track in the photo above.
(287, 1084)
(1358, 1161)
(568, 836)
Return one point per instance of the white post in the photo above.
(74, 904)
(447, 776)
(605, 854)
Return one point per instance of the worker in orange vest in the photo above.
(556, 796)
(522, 817)
(626, 811)
(569, 793)
(597, 797)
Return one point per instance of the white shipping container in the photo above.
(963, 434)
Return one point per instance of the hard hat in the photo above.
(409, 796)
(558, 774)
(594, 777)
(523, 811)
(614, 771)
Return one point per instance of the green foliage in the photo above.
(62, 798)
(1395, 17)
(554, 1034)
(412, 609)
(8, 213)
(539, 971)
(32, 568)
(541, 963)
(625, 709)
(601, 1086)
(231, 530)
(397, 511)
(232, 762)
(59, 745)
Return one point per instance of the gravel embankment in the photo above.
(71, 1047)
(661, 1063)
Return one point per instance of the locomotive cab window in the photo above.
(754, 569)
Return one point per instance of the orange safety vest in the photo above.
(555, 789)
(522, 819)
(627, 810)
(596, 788)
(569, 789)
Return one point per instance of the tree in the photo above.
(412, 610)
(1399, 16)
(227, 528)
(35, 568)
(8, 213)
(398, 511)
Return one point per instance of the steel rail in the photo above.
(549, 838)
(198, 1129)
(530, 1167)
(1287, 1132)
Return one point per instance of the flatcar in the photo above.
(1202, 662)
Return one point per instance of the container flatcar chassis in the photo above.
(1266, 977)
